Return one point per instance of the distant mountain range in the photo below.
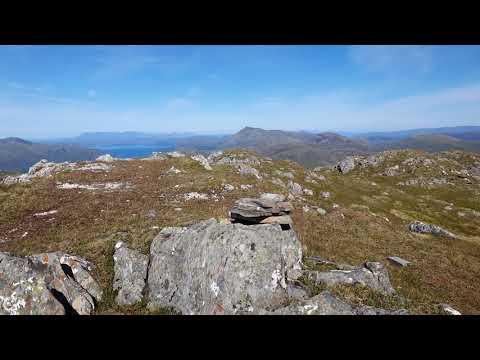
(18, 154)
(310, 149)
(307, 148)
(459, 132)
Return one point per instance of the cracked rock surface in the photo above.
(130, 274)
(372, 274)
(213, 268)
(46, 284)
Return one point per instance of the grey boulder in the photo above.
(202, 160)
(327, 304)
(295, 188)
(346, 165)
(399, 261)
(47, 284)
(424, 228)
(372, 274)
(130, 274)
(214, 268)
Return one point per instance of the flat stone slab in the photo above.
(371, 274)
(282, 220)
(256, 210)
(399, 261)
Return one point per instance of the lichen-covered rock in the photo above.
(24, 290)
(214, 156)
(46, 284)
(294, 188)
(322, 304)
(327, 304)
(11, 180)
(424, 228)
(202, 160)
(80, 269)
(43, 168)
(228, 187)
(130, 274)
(63, 280)
(95, 167)
(235, 160)
(212, 268)
(372, 274)
(248, 171)
(346, 165)
(272, 197)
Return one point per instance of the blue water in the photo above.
(133, 151)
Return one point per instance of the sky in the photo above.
(59, 91)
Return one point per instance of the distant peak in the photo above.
(14, 140)
(249, 128)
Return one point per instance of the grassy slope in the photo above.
(89, 223)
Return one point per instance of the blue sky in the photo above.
(52, 91)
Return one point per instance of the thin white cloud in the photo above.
(393, 58)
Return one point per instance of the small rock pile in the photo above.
(268, 209)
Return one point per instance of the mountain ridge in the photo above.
(18, 155)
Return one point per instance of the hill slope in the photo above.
(430, 142)
(305, 148)
(365, 216)
(18, 155)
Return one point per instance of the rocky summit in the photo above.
(235, 233)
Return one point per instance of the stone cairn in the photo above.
(268, 209)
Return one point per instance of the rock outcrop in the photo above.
(130, 274)
(295, 188)
(202, 160)
(424, 228)
(372, 274)
(44, 168)
(213, 268)
(47, 284)
(346, 165)
(327, 304)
